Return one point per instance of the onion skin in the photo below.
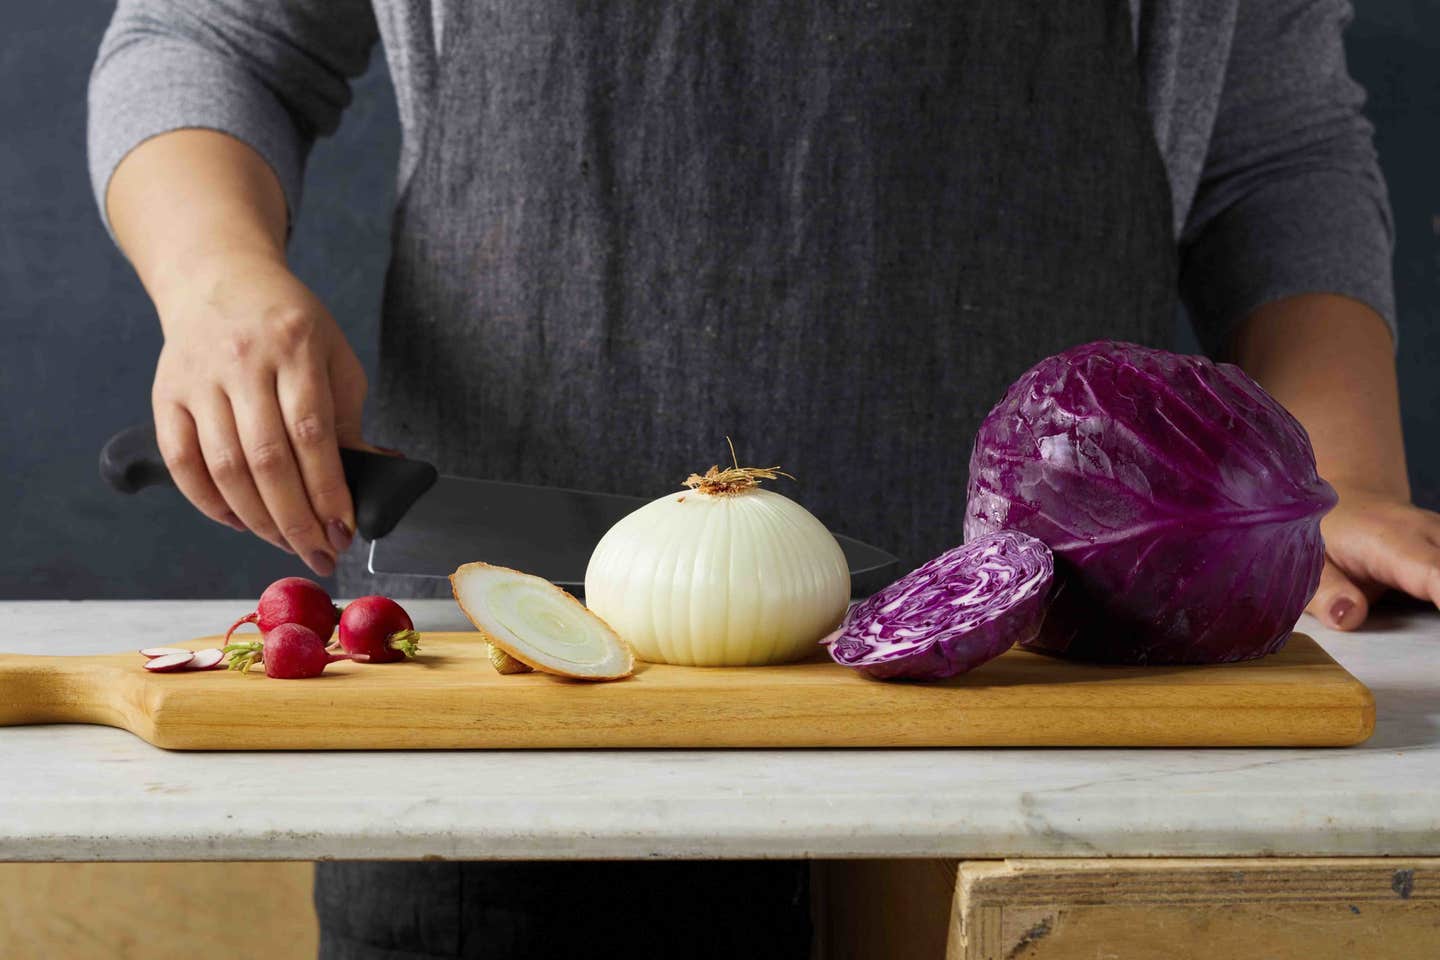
(960, 610)
(504, 663)
(740, 579)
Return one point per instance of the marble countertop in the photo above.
(93, 793)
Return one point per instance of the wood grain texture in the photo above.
(452, 698)
(1310, 909)
(156, 911)
(882, 909)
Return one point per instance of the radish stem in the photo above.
(244, 654)
(406, 641)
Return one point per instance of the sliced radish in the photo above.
(153, 652)
(207, 659)
(169, 662)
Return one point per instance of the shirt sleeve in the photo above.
(1291, 199)
(271, 73)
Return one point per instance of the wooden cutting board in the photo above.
(452, 698)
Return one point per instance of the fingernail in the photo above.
(392, 451)
(234, 521)
(1342, 609)
(322, 563)
(339, 534)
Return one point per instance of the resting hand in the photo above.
(1375, 542)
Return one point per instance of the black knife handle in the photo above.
(382, 487)
(131, 461)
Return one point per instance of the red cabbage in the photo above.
(965, 607)
(1180, 499)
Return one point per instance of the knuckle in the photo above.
(329, 490)
(181, 461)
(269, 532)
(226, 465)
(297, 531)
(237, 347)
(288, 326)
(310, 429)
(266, 456)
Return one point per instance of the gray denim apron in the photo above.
(833, 231)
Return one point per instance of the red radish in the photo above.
(293, 600)
(206, 659)
(153, 652)
(379, 628)
(169, 662)
(290, 652)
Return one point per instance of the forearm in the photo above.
(189, 198)
(1330, 361)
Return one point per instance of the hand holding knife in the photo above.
(420, 523)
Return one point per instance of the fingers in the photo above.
(229, 471)
(266, 443)
(1416, 570)
(348, 387)
(1411, 563)
(179, 444)
(1430, 521)
(1338, 602)
(308, 412)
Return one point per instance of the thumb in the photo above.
(1338, 602)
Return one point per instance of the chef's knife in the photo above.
(420, 524)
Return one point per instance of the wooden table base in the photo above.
(1132, 909)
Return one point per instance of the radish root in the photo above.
(251, 618)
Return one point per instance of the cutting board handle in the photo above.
(62, 690)
(383, 487)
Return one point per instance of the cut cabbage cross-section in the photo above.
(965, 607)
(539, 624)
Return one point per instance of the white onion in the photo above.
(726, 574)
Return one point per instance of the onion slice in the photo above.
(539, 624)
(965, 607)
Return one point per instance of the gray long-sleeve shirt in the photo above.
(1274, 181)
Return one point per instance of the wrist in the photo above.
(200, 271)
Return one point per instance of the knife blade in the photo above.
(420, 524)
(549, 531)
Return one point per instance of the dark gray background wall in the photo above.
(78, 339)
